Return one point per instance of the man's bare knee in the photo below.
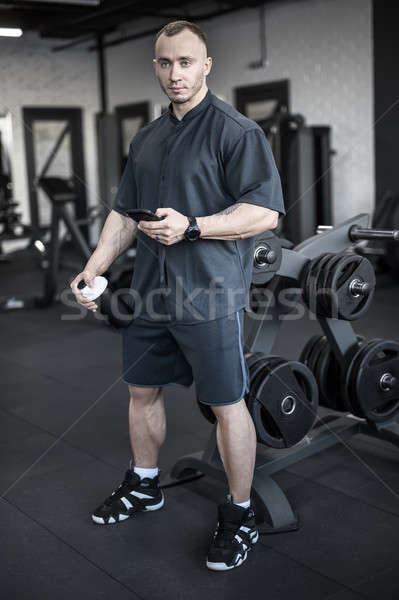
(144, 395)
(226, 410)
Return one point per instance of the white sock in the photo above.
(244, 504)
(146, 472)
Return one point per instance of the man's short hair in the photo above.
(176, 27)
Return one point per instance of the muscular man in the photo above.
(209, 171)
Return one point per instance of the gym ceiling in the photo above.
(82, 20)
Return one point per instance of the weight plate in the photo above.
(315, 352)
(263, 273)
(303, 278)
(308, 280)
(253, 357)
(352, 384)
(317, 273)
(325, 302)
(326, 370)
(345, 304)
(328, 376)
(307, 349)
(285, 407)
(329, 276)
(347, 386)
(256, 374)
(375, 401)
(257, 367)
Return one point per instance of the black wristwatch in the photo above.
(192, 232)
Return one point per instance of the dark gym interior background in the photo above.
(320, 77)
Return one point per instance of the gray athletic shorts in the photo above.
(210, 353)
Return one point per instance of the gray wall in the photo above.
(32, 75)
(323, 46)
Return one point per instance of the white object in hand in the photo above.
(91, 293)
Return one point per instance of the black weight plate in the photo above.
(324, 283)
(263, 274)
(255, 363)
(319, 274)
(317, 348)
(344, 304)
(327, 371)
(350, 376)
(310, 281)
(358, 410)
(351, 305)
(376, 404)
(346, 379)
(306, 278)
(327, 283)
(331, 271)
(303, 279)
(351, 399)
(257, 370)
(271, 431)
(348, 390)
(307, 349)
(315, 286)
(257, 373)
(276, 427)
(253, 358)
(328, 377)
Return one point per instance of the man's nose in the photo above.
(175, 72)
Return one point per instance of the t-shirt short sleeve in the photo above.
(251, 172)
(126, 196)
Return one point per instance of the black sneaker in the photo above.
(131, 496)
(233, 538)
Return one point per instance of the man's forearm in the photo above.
(238, 221)
(117, 235)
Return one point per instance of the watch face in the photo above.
(193, 234)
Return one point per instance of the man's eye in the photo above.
(185, 61)
(163, 64)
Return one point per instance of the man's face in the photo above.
(181, 65)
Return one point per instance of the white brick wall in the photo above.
(32, 75)
(323, 46)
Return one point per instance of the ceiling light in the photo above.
(10, 32)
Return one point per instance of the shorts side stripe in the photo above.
(245, 387)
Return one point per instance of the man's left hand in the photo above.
(168, 231)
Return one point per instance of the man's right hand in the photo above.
(88, 278)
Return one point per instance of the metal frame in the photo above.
(127, 111)
(273, 90)
(269, 499)
(74, 118)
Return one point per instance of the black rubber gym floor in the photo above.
(64, 446)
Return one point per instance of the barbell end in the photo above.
(358, 287)
(387, 381)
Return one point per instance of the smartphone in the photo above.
(142, 214)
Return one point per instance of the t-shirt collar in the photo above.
(193, 112)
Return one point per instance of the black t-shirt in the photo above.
(210, 159)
